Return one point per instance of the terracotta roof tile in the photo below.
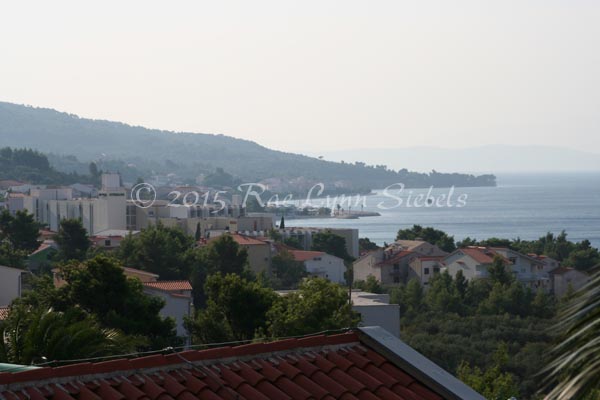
(245, 240)
(318, 367)
(303, 255)
(483, 255)
(169, 286)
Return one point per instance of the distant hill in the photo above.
(190, 154)
(31, 166)
(481, 159)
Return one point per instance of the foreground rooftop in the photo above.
(368, 363)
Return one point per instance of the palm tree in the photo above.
(30, 337)
(573, 371)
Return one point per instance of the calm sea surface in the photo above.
(525, 206)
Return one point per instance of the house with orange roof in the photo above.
(474, 262)
(177, 296)
(259, 251)
(391, 266)
(322, 265)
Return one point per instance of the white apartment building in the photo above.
(108, 211)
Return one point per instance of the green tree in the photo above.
(20, 230)
(40, 335)
(11, 257)
(288, 272)
(318, 305)
(461, 284)
(331, 243)
(371, 285)
(499, 271)
(493, 383)
(100, 287)
(365, 245)
(428, 234)
(543, 305)
(72, 240)
(159, 249)
(583, 259)
(198, 234)
(235, 309)
(221, 256)
(293, 242)
(413, 298)
(443, 294)
(224, 255)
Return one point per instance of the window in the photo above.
(513, 260)
(396, 279)
(436, 270)
(426, 271)
(107, 243)
(396, 267)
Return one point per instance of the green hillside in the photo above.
(190, 154)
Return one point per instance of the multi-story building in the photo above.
(474, 262)
(50, 205)
(392, 265)
(423, 268)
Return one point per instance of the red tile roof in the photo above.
(316, 367)
(169, 286)
(482, 255)
(246, 240)
(301, 255)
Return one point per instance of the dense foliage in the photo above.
(18, 237)
(72, 239)
(331, 243)
(460, 325)
(428, 234)
(33, 167)
(580, 255)
(159, 249)
(287, 272)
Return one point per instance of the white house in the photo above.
(321, 264)
(178, 300)
(111, 238)
(424, 267)
(562, 278)
(376, 310)
(474, 262)
(12, 282)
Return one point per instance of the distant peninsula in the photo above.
(71, 143)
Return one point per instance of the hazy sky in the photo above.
(299, 75)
